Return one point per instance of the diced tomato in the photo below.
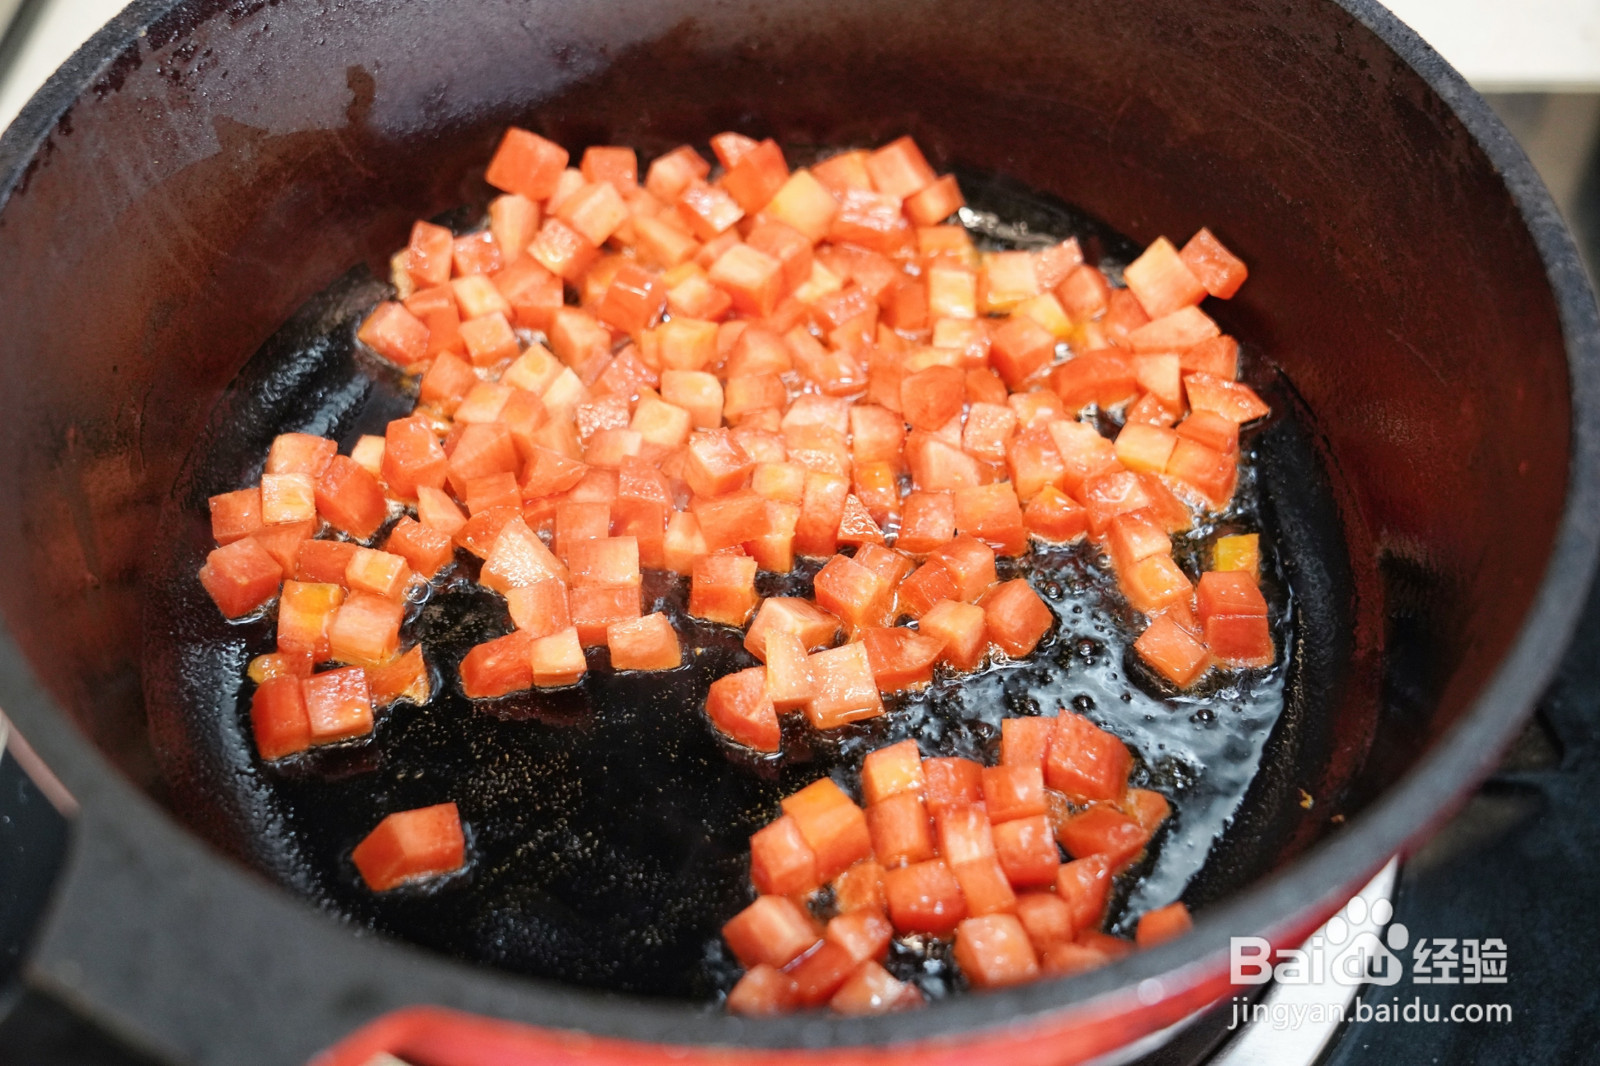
(1013, 791)
(683, 542)
(1163, 924)
(1085, 454)
(1175, 332)
(541, 607)
(670, 174)
(305, 612)
(900, 829)
(1219, 270)
(425, 550)
(813, 626)
(1085, 761)
(781, 862)
(1211, 475)
(1212, 430)
(731, 519)
(1026, 850)
(928, 522)
(1162, 281)
(1034, 462)
(845, 690)
(411, 846)
(1229, 593)
(396, 334)
(498, 667)
(605, 562)
(1015, 618)
(1046, 918)
(235, 514)
(264, 668)
(723, 589)
(517, 557)
(365, 629)
(1084, 885)
(994, 951)
(739, 707)
(988, 430)
(1233, 400)
(1102, 830)
(557, 660)
(860, 889)
(901, 658)
(961, 628)
(832, 825)
(1055, 517)
(890, 771)
(278, 718)
(350, 498)
(647, 643)
(924, 898)
(324, 560)
(338, 704)
(764, 990)
(1172, 652)
(1102, 377)
(578, 521)
(774, 930)
(821, 973)
(526, 164)
(1217, 356)
(930, 398)
(378, 572)
(240, 577)
(1240, 640)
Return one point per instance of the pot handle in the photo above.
(35, 827)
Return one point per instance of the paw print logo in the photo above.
(1366, 958)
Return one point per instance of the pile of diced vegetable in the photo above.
(716, 377)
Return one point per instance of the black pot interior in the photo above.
(240, 158)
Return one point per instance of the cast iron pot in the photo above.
(201, 168)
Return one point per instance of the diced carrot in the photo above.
(526, 164)
(901, 658)
(723, 589)
(899, 169)
(595, 608)
(994, 951)
(240, 577)
(350, 498)
(1144, 447)
(324, 560)
(670, 174)
(814, 627)
(647, 643)
(772, 931)
(1238, 552)
(1102, 377)
(928, 522)
(1211, 475)
(764, 990)
(1061, 960)
(365, 629)
(935, 202)
(781, 862)
(854, 594)
(950, 783)
(1085, 761)
(1015, 618)
(1212, 430)
(404, 677)
(1054, 516)
(924, 898)
(498, 666)
(1024, 741)
(338, 704)
(378, 572)
(1021, 349)
(429, 254)
(1147, 807)
(984, 886)
(1162, 281)
(991, 514)
(1218, 357)
(396, 334)
(278, 718)
(739, 707)
(971, 565)
(305, 612)
(845, 690)
(235, 515)
(447, 382)
(860, 889)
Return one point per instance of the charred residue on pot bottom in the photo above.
(608, 823)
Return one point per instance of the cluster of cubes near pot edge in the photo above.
(735, 387)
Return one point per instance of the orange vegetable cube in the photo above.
(1084, 885)
(1163, 923)
(832, 825)
(1085, 761)
(395, 334)
(1219, 270)
(1162, 281)
(890, 771)
(928, 522)
(634, 301)
(772, 931)
(994, 951)
(781, 862)
(984, 886)
(235, 515)
(740, 709)
(1026, 851)
(900, 829)
(935, 202)
(1055, 517)
(411, 846)
(1218, 357)
(900, 658)
(924, 898)
(854, 594)
(789, 680)
(1173, 652)
(350, 498)
(323, 560)
(240, 577)
(970, 563)
(1013, 791)
(1046, 918)
(378, 572)
(596, 607)
(1102, 377)
(805, 204)
(497, 667)
(1233, 400)
(753, 279)
(950, 784)
(1025, 741)
(1015, 618)
(338, 704)
(723, 588)
(365, 629)
(899, 168)
(845, 690)
(305, 611)
(1105, 832)
(540, 608)
(557, 660)
(405, 677)
(814, 627)
(647, 643)
(821, 510)
(278, 718)
(429, 254)
(526, 164)
(961, 628)
(1145, 447)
